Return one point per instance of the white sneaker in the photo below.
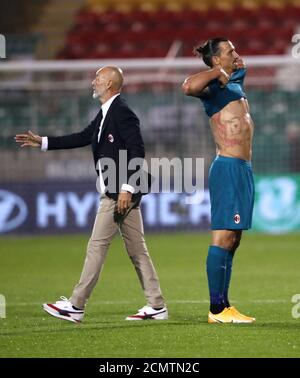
(63, 309)
(150, 313)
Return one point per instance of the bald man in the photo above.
(115, 128)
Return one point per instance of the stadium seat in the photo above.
(137, 25)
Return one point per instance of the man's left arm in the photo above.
(129, 129)
(130, 132)
(240, 63)
(240, 72)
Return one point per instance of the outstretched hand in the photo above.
(29, 139)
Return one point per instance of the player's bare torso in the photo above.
(232, 128)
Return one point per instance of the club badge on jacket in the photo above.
(110, 138)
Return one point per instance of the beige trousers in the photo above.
(132, 232)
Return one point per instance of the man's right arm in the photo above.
(75, 140)
(195, 85)
(81, 139)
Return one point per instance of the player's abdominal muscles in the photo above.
(232, 133)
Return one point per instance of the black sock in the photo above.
(78, 309)
(216, 308)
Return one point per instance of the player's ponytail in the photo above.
(209, 49)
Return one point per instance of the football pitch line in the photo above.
(119, 302)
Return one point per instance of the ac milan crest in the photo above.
(237, 218)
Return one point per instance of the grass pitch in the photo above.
(266, 275)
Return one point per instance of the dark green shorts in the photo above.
(231, 189)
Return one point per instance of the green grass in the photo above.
(266, 275)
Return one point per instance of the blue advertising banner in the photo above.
(70, 207)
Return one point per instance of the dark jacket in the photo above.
(120, 131)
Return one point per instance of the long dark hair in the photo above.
(209, 49)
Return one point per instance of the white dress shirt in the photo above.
(105, 107)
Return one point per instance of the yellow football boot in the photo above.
(243, 318)
(229, 315)
(222, 317)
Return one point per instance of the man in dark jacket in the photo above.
(115, 129)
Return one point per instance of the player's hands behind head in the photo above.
(29, 139)
(223, 77)
(239, 63)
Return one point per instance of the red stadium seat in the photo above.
(150, 31)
